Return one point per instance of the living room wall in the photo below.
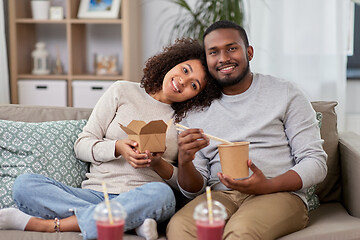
(156, 34)
(156, 12)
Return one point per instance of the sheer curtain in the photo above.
(304, 42)
(4, 75)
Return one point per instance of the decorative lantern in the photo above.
(40, 59)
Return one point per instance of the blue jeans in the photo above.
(43, 197)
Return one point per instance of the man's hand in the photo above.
(190, 141)
(257, 183)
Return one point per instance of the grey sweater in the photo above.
(121, 103)
(277, 120)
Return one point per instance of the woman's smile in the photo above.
(176, 86)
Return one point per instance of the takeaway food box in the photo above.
(149, 136)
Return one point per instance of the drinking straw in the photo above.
(181, 128)
(209, 203)
(107, 203)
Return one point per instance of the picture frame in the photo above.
(56, 13)
(108, 9)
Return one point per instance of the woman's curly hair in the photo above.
(157, 66)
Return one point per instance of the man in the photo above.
(286, 154)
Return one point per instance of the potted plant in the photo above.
(192, 22)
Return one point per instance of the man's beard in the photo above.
(228, 81)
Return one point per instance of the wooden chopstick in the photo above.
(181, 128)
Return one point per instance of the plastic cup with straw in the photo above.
(210, 218)
(107, 203)
(110, 218)
(209, 204)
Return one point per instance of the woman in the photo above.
(174, 82)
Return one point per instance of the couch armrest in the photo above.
(349, 146)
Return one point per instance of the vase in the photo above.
(40, 9)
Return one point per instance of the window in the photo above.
(353, 65)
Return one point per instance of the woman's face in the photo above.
(182, 82)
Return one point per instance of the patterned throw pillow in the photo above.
(45, 148)
(311, 197)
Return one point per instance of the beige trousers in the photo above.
(262, 217)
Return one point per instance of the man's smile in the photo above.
(226, 69)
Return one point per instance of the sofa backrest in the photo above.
(24, 113)
(329, 190)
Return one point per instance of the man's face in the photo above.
(226, 56)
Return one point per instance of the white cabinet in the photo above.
(43, 92)
(87, 93)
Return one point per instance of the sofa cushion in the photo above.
(329, 221)
(330, 189)
(45, 148)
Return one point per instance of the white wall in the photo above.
(157, 20)
(157, 12)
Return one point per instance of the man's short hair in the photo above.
(227, 24)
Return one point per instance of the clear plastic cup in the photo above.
(105, 229)
(205, 229)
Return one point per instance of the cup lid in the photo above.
(101, 212)
(201, 211)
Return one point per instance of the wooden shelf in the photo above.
(96, 21)
(98, 77)
(30, 76)
(33, 21)
(74, 35)
(74, 21)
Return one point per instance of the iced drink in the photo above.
(107, 229)
(207, 230)
(233, 159)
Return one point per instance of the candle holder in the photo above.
(40, 55)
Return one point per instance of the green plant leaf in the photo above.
(192, 22)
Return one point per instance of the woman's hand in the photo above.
(126, 148)
(155, 158)
(160, 165)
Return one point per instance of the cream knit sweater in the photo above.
(123, 102)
